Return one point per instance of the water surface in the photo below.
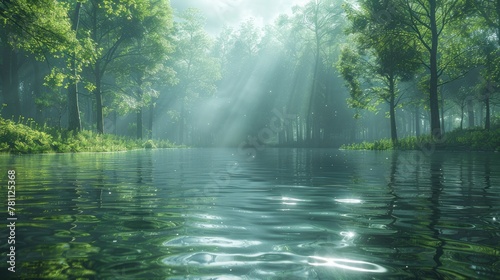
(276, 214)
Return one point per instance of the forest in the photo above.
(323, 74)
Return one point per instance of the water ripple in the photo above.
(285, 214)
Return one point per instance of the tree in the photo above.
(488, 13)
(490, 77)
(143, 70)
(427, 21)
(197, 71)
(112, 25)
(389, 55)
(38, 27)
(319, 22)
(74, 121)
(240, 52)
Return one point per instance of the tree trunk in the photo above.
(487, 120)
(90, 111)
(290, 138)
(150, 120)
(37, 90)
(299, 131)
(314, 114)
(10, 82)
(433, 98)
(74, 121)
(470, 113)
(481, 114)
(442, 114)
(115, 121)
(99, 108)
(462, 117)
(182, 123)
(139, 110)
(417, 121)
(498, 17)
(139, 123)
(392, 112)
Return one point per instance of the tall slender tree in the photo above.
(320, 19)
(428, 22)
(74, 121)
(389, 56)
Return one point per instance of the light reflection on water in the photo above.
(287, 214)
(348, 200)
(348, 264)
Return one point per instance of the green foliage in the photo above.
(384, 144)
(473, 139)
(197, 70)
(149, 145)
(131, 52)
(350, 68)
(32, 30)
(141, 70)
(27, 137)
(382, 55)
(23, 139)
(470, 139)
(43, 28)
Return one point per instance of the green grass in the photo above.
(467, 140)
(27, 137)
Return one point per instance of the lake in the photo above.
(268, 214)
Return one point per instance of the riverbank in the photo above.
(457, 140)
(30, 138)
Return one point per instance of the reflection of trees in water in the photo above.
(406, 183)
(301, 167)
(487, 174)
(436, 179)
(459, 194)
(391, 185)
(53, 238)
(298, 163)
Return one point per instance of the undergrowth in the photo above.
(27, 137)
(467, 139)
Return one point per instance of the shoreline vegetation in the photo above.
(475, 139)
(27, 137)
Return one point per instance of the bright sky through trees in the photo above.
(233, 12)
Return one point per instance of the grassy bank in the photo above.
(27, 138)
(461, 140)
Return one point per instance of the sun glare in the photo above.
(348, 264)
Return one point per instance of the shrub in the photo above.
(21, 138)
(469, 139)
(149, 145)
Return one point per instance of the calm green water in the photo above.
(283, 214)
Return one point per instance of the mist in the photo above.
(214, 74)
